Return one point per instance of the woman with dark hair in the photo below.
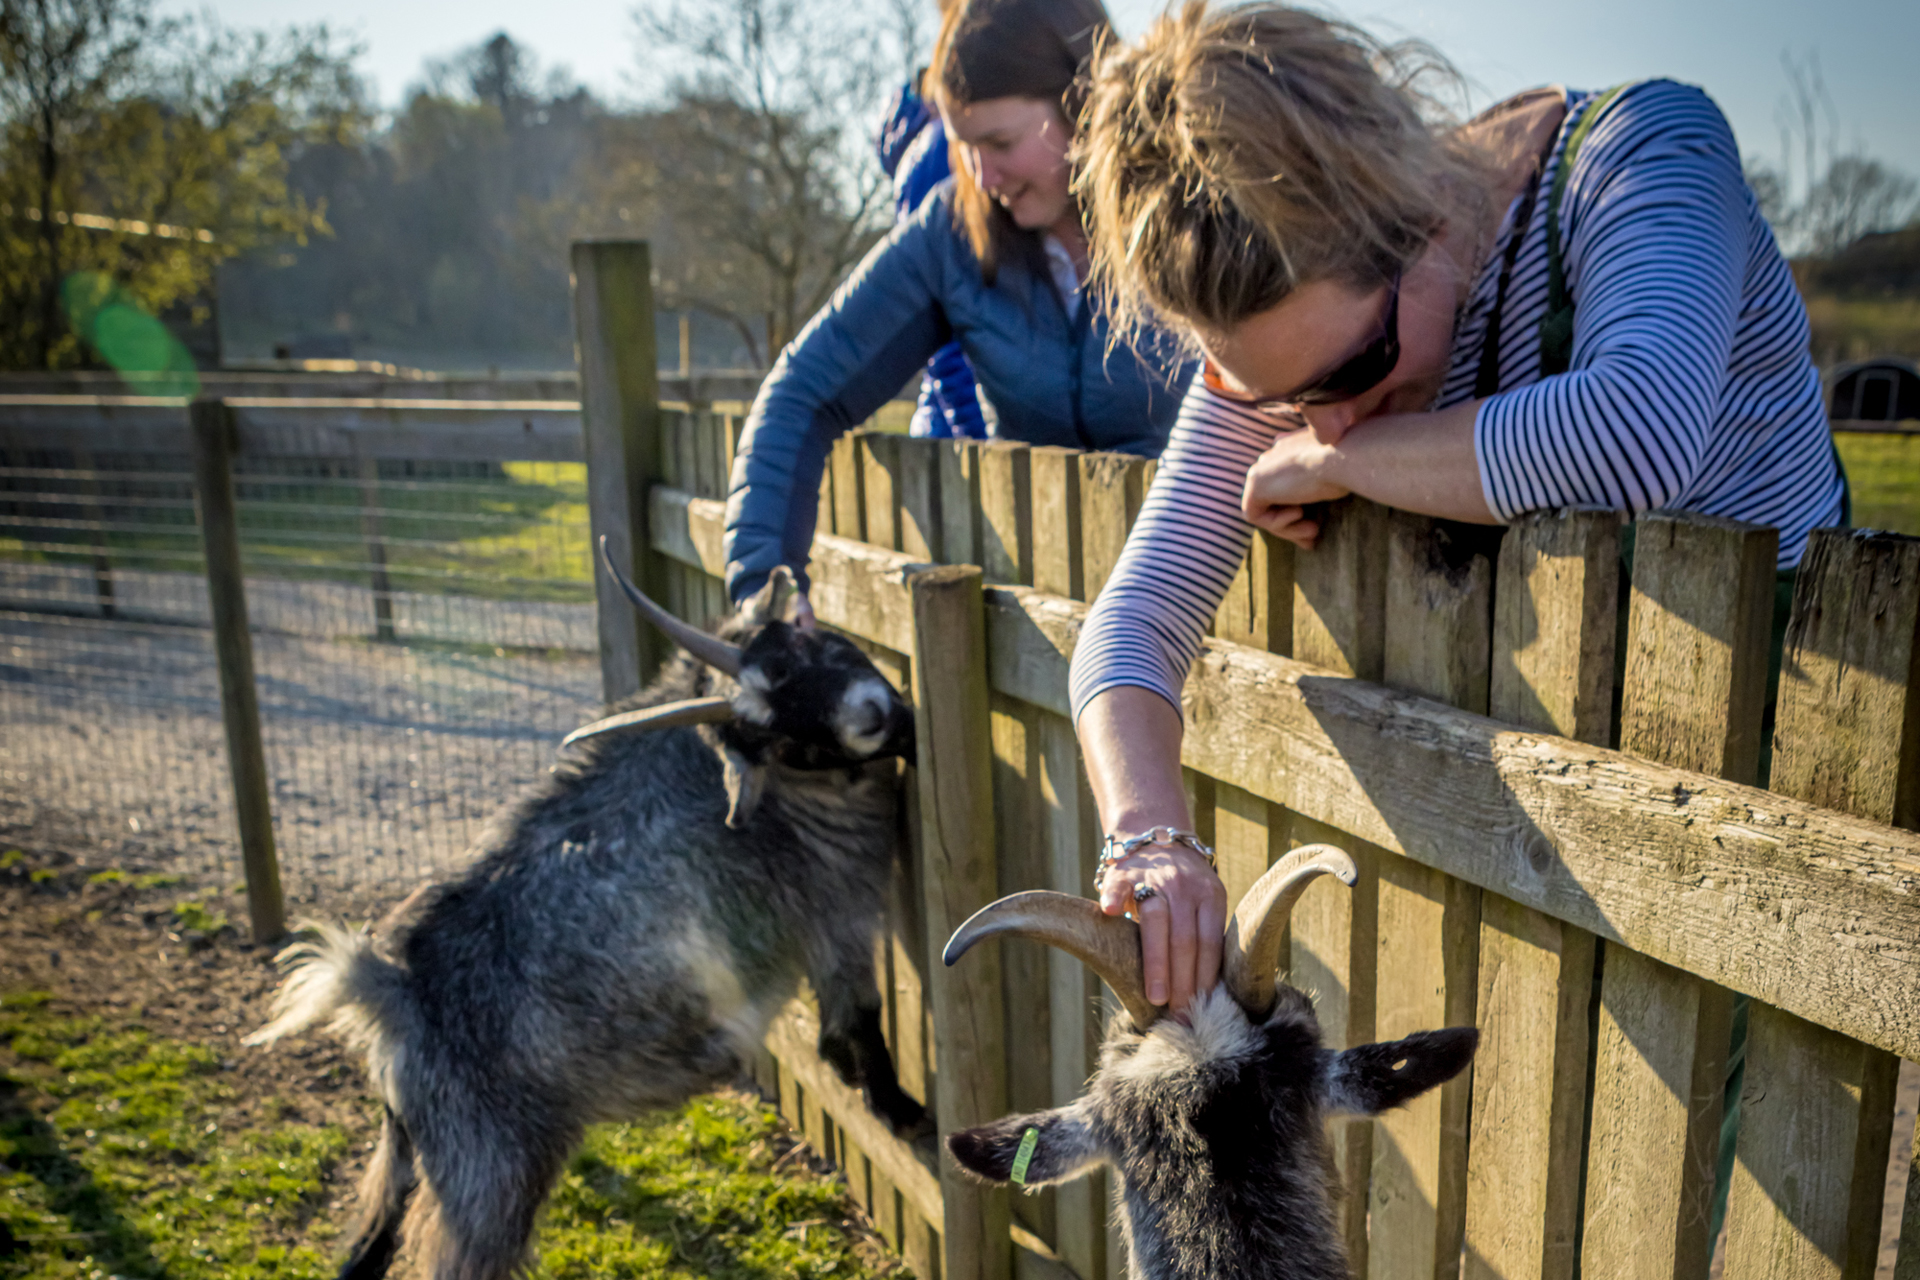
(995, 259)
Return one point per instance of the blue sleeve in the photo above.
(855, 355)
(1654, 229)
(955, 398)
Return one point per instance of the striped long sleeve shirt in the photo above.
(1690, 387)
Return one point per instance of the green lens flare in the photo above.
(128, 338)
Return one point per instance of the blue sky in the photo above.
(1869, 49)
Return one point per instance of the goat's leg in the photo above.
(487, 1176)
(851, 1039)
(384, 1192)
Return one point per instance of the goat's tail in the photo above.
(384, 1192)
(337, 975)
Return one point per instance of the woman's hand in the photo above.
(1182, 924)
(1288, 476)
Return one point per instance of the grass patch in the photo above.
(1884, 472)
(519, 533)
(113, 1160)
(116, 1160)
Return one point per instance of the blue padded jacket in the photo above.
(1043, 378)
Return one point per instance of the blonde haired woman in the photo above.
(1459, 322)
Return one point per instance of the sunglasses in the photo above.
(1365, 371)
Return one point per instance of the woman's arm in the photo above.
(1421, 462)
(1132, 658)
(881, 325)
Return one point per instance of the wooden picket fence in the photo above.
(1439, 705)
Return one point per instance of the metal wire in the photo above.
(423, 636)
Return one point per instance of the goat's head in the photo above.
(1215, 1129)
(800, 698)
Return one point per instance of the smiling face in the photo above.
(1322, 325)
(1016, 150)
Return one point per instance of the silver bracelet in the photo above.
(1117, 847)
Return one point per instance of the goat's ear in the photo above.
(745, 783)
(1062, 1148)
(1371, 1078)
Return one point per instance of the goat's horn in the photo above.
(1109, 945)
(712, 650)
(667, 715)
(1260, 921)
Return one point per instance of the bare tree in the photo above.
(1836, 196)
(759, 160)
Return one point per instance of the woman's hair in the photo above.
(1235, 153)
(1009, 49)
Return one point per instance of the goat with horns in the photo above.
(1216, 1129)
(624, 934)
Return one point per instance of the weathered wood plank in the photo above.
(1438, 614)
(1438, 618)
(917, 488)
(1845, 735)
(849, 487)
(1055, 479)
(1817, 1106)
(1258, 610)
(1523, 1184)
(1006, 512)
(1552, 669)
(1559, 577)
(959, 877)
(1072, 840)
(1426, 977)
(1335, 941)
(1112, 487)
(1815, 1119)
(879, 466)
(959, 462)
(1696, 669)
(620, 416)
(233, 651)
(1339, 591)
(1695, 685)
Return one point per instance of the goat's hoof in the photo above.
(907, 1118)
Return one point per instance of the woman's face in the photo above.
(1016, 149)
(1322, 325)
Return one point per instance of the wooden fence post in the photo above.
(1695, 683)
(959, 875)
(1553, 640)
(370, 530)
(96, 517)
(620, 413)
(213, 447)
(1816, 1106)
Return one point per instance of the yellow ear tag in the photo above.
(1024, 1156)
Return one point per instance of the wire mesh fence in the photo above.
(423, 634)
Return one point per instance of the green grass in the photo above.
(1885, 474)
(115, 1161)
(521, 536)
(1846, 329)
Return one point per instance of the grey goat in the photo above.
(1216, 1130)
(623, 936)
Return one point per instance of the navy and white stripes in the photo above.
(1690, 388)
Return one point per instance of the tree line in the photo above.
(242, 186)
(244, 181)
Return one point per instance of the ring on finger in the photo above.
(1141, 892)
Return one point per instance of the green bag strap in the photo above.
(1556, 329)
